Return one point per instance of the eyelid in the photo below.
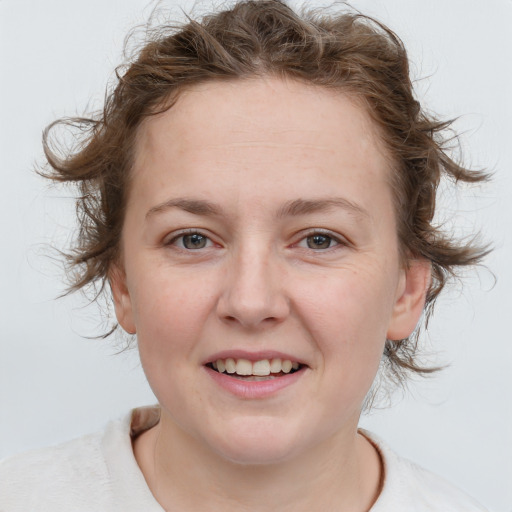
(339, 239)
(170, 239)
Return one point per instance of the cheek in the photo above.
(169, 319)
(348, 316)
(170, 314)
(352, 304)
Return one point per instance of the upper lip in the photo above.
(252, 356)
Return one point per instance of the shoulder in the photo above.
(82, 474)
(54, 473)
(408, 486)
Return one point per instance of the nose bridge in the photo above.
(253, 292)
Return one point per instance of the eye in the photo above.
(191, 241)
(319, 241)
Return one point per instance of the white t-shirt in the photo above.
(99, 473)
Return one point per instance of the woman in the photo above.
(259, 196)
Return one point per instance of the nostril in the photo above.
(252, 306)
(249, 322)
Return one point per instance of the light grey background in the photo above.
(56, 57)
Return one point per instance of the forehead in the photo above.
(261, 107)
(246, 131)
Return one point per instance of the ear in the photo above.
(122, 299)
(410, 299)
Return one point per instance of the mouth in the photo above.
(261, 370)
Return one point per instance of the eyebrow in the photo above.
(195, 206)
(306, 206)
(292, 208)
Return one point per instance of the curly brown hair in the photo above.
(345, 51)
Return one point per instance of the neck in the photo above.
(343, 473)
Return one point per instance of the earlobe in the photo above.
(410, 301)
(122, 299)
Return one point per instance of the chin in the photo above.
(260, 444)
(255, 453)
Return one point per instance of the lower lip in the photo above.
(254, 389)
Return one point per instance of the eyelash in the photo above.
(182, 235)
(338, 241)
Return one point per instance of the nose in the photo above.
(253, 294)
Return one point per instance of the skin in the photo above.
(251, 148)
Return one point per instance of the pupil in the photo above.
(319, 242)
(195, 241)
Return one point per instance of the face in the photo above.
(260, 235)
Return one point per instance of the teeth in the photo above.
(230, 365)
(287, 366)
(243, 367)
(275, 365)
(262, 368)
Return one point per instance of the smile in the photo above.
(263, 369)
